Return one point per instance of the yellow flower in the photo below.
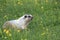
(18, 30)
(41, 22)
(36, 2)
(42, 7)
(43, 33)
(21, 39)
(7, 32)
(55, 2)
(43, 27)
(5, 16)
(4, 30)
(25, 39)
(10, 35)
(46, 0)
(46, 29)
(5, 37)
(20, 3)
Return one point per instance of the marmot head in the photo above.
(28, 17)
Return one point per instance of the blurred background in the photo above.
(44, 26)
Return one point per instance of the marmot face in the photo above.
(28, 17)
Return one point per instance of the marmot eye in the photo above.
(25, 16)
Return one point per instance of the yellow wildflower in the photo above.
(18, 30)
(20, 3)
(46, 0)
(5, 37)
(55, 2)
(4, 30)
(46, 29)
(21, 39)
(10, 35)
(42, 7)
(25, 39)
(43, 27)
(36, 2)
(7, 32)
(43, 33)
(5, 16)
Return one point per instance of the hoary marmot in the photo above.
(20, 23)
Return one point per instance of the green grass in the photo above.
(44, 26)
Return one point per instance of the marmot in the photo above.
(20, 23)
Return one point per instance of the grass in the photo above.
(44, 26)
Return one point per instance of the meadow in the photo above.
(44, 26)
